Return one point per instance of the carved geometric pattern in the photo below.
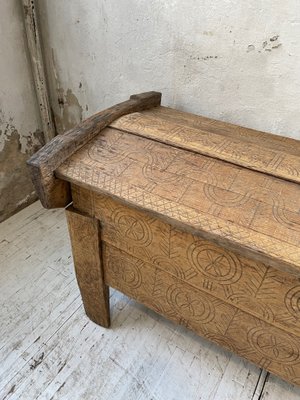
(128, 272)
(292, 301)
(238, 207)
(137, 231)
(274, 347)
(268, 346)
(217, 264)
(262, 291)
(190, 306)
(262, 158)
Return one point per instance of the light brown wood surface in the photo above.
(267, 140)
(271, 159)
(256, 288)
(250, 337)
(87, 255)
(247, 307)
(244, 210)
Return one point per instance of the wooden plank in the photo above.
(86, 249)
(239, 386)
(264, 375)
(67, 343)
(246, 135)
(258, 289)
(276, 389)
(16, 230)
(146, 162)
(148, 175)
(48, 313)
(23, 307)
(55, 193)
(236, 382)
(232, 328)
(34, 46)
(31, 258)
(274, 162)
(28, 337)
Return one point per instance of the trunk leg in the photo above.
(86, 248)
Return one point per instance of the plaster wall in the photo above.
(20, 133)
(233, 60)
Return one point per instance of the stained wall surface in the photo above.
(233, 60)
(20, 127)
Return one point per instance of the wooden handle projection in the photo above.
(54, 192)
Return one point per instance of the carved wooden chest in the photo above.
(195, 218)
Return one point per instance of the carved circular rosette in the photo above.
(292, 301)
(215, 263)
(275, 346)
(128, 272)
(136, 230)
(190, 305)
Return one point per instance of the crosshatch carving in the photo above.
(199, 220)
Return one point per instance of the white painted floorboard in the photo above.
(50, 350)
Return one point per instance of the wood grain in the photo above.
(245, 135)
(86, 248)
(270, 160)
(247, 307)
(54, 192)
(260, 342)
(232, 206)
(260, 290)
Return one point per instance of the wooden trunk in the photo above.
(195, 218)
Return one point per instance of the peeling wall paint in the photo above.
(20, 125)
(15, 183)
(29, 142)
(231, 60)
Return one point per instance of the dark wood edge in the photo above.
(54, 192)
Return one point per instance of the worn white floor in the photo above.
(50, 350)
